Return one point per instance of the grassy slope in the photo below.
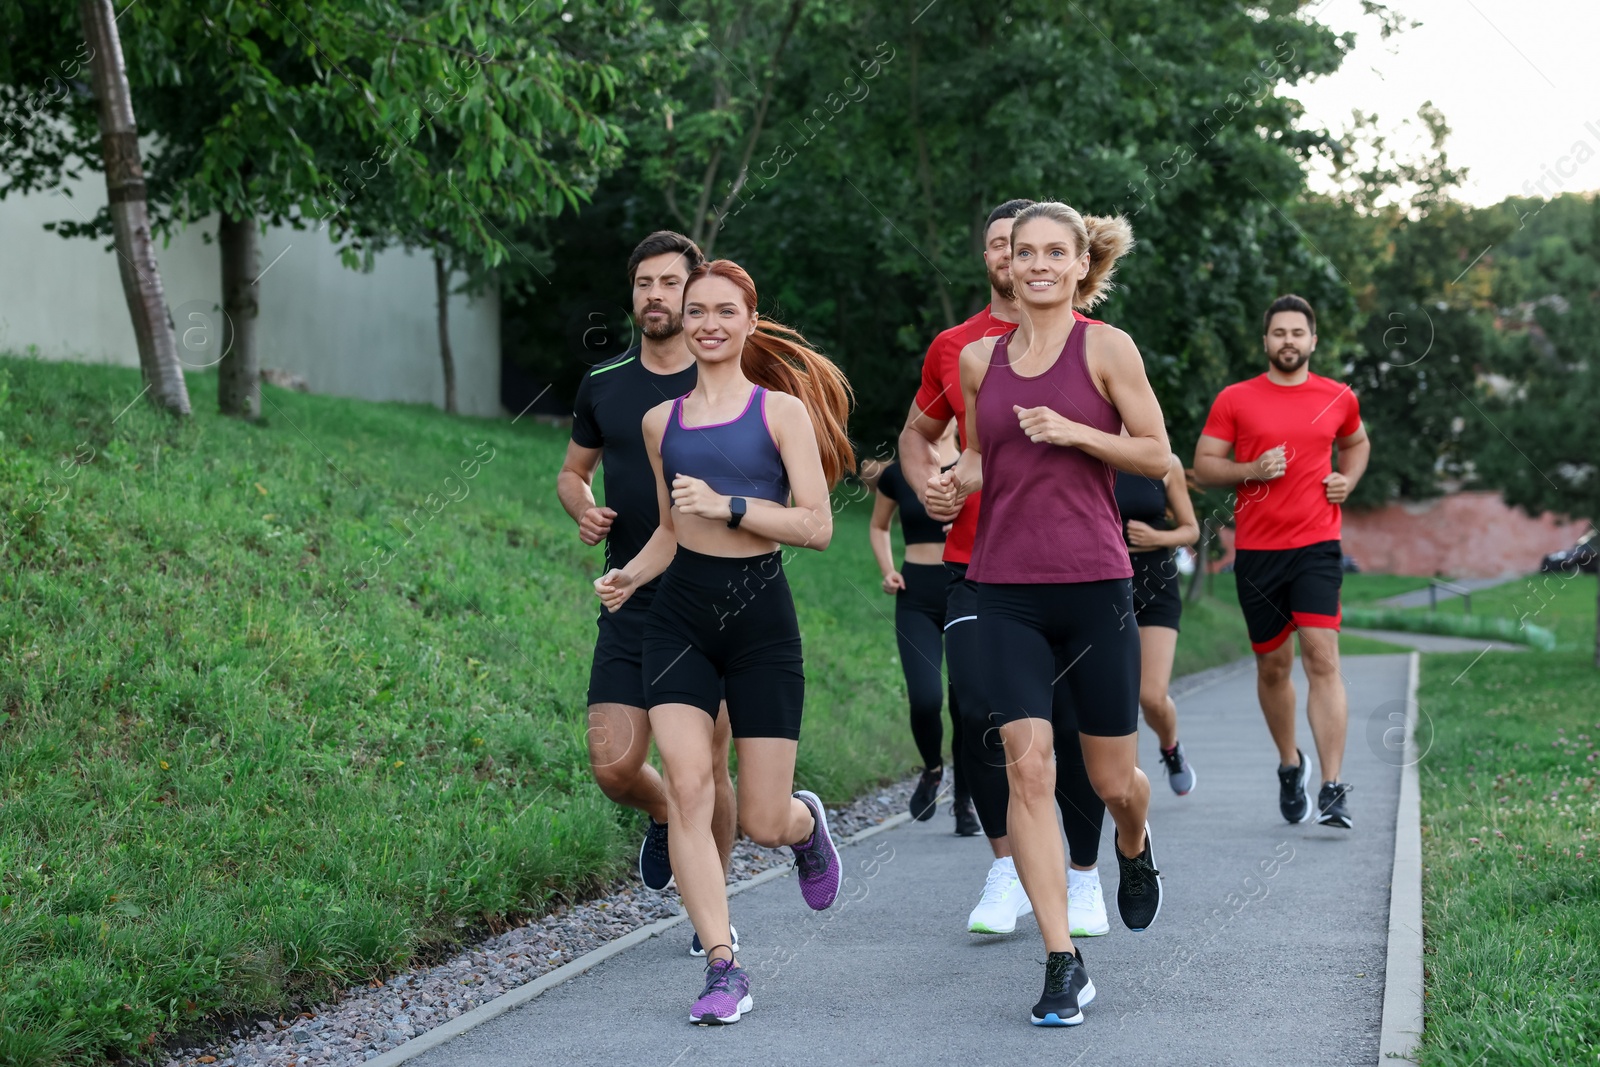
(1511, 812)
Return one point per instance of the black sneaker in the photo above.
(698, 950)
(1139, 892)
(655, 865)
(1331, 807)
(1067, 989)
(967, 824)
(1292, 782)
(924, 798)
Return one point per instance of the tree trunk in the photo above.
(441, 282)
(130, 216)
(239, 373)
(1597, 621)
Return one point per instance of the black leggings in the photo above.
(1082, 810)
(919, 611)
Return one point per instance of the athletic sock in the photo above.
(1077, 877)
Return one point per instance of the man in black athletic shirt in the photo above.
(606, 422)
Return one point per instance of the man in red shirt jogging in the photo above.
(1281, 427)
(980, 761)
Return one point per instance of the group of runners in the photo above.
(1055, 602)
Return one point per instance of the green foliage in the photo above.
(1421, 622)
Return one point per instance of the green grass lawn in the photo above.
(282, 706)
(1511, 812)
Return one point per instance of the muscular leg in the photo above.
(1275, 688)
(1326, 704)
(684, 736)
(1114, 768)
(619, 744)
(1031, 822)
(1157, 645)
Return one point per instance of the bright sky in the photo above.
(1517, 81)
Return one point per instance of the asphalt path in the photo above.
(1269, 949)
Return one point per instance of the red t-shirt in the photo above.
(1258, 415)
(940, 398)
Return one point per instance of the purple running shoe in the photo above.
(726, 996)
(816, 857)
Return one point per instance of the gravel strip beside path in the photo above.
(369, 1020)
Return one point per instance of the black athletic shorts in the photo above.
(726, 626)
(617, 676)
(1036, 639)
(1156, 600)
(1282, 590)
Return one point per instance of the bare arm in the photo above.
(1354, 452)
(947, 492)
(1213, 468)
(919, 453)
(1187, 529)
(575, 489)
(883, 510)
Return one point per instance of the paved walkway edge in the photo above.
(524, 993)
(1402, 983)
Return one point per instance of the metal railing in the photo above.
(1435, 584)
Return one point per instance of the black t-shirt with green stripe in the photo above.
(610, 408)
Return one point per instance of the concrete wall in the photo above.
(348, 333)
(1462, 535)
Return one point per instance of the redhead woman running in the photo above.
(764, 423)
(1046, 406)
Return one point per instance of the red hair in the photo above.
(776, 357)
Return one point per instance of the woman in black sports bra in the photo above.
(920, 589)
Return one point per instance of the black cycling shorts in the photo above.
(617, 675)
(1033, 639)
(1282, 590)
(1156, 599)
(726, 626)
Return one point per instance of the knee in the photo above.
(1272, 672)
(615, 775)
(1116, 788)
(1032, 776)
(691, 789)
(1153, 697)
(767, 829)
(1321, 664)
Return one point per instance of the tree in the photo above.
(127, 209)
(1539, 440)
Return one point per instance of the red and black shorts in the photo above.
(1283, 590)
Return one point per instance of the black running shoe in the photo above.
(1292, 782)
(967, 824)
(1331, 807)
(924, 798)
(1067, 989)
(1139, 893)
(655, 866)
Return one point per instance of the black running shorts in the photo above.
(1156, 600)
(1036, 639)
(729, 622)
(1282, 590)
(616, 676)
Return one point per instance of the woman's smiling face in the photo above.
(1046, 266)
(716, 320)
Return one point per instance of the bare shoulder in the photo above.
(1105, 339)
(975, 358)
(655, 422)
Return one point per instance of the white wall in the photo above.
(348, 333)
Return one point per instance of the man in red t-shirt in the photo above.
(975, 743)
(1281, 427)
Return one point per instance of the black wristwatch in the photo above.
(737, 505)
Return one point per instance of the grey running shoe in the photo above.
(1292, 782)
(1180, 775)
(1331, 807)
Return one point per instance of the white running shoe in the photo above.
(1002, 903)
(1086, 906)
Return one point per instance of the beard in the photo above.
(1290, 361)
(661, 331)
(1000, 281)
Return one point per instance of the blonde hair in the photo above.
(1106, 238)
(776, 357)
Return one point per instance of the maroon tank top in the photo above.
(1049, 513)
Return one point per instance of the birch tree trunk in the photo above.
(130, 216)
